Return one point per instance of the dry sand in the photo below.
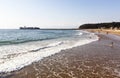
(107, 31)
(95, 60)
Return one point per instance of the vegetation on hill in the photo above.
(111, 25)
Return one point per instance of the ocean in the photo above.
(19, 48)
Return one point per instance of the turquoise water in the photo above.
(22, 36)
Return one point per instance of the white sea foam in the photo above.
(14, 57)
(55, 44)
(79, 33)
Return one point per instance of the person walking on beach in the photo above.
(112, 44)
(106, 32)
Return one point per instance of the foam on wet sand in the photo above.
(94, 60)
(17, 56)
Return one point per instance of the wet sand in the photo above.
(95, 60)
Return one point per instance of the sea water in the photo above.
(19, 48)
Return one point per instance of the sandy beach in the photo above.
(106, 31)
(99, 59)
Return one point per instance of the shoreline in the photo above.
(90, 60)
(21, 57)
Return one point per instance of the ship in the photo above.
(30, 28)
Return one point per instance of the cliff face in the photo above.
(100, 25)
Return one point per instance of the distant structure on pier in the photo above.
(29, 28)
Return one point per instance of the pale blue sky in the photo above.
(57, 13)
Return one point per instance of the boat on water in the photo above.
(29, 27)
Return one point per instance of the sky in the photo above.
(57, 13)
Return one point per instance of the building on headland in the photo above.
(29, 27)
